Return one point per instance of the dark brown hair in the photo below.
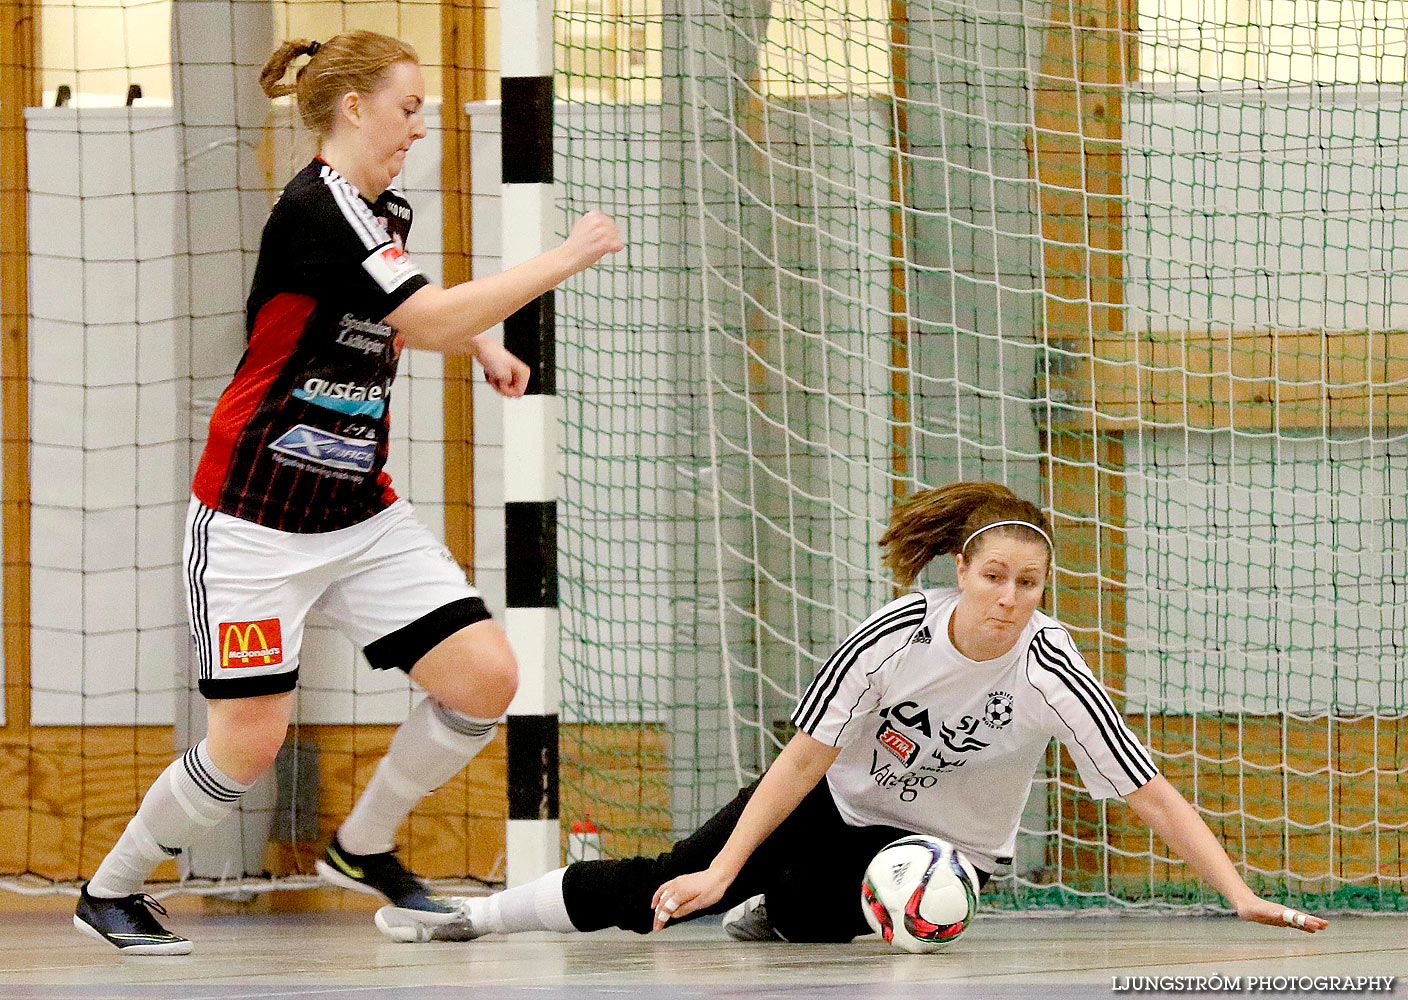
(934, 522)
(354, 61)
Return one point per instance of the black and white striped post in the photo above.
(531, 432)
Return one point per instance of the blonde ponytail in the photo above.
(352, 62)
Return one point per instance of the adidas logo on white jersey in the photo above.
(923, 635)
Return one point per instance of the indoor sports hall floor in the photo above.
(340, 956)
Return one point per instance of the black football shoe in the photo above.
(384, 875)
(128, 923)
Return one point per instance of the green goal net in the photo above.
(1137, 261)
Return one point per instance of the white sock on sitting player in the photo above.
(429, 748)
(536, 906)
(188, 798)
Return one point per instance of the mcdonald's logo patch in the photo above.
(251, 644)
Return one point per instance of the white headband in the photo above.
(999, 524)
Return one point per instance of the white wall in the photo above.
(1266, 575)
(107, 415)
(1265, 571)
(1287, 209)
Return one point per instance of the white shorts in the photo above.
(391, 586)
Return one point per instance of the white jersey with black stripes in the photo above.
(934, 742)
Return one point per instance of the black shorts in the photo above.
(810, 869)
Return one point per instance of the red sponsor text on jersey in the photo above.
(898, 744)
(251, 644)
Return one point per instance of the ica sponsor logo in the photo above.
(350, 398)
(251, 644)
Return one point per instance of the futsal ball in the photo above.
(919, 893)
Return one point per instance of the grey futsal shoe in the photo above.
(384, 875)
(402, 925)
(128, 924)
(748, 921)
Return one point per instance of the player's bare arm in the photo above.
(451, 320)
(1168, 814)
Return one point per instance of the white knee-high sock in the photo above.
(188, 798)
(536, 906)
(429, 748)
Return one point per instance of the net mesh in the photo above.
(141, 160)
(1138, 264)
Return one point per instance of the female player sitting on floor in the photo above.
(932, 717)
(292, 507)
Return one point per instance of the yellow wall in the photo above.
(1239, 42)
(98, 47)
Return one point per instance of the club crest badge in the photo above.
(998, 712)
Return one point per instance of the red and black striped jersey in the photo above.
(298, 439)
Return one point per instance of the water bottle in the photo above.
(584, 841)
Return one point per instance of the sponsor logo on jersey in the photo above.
(251, 644)
(363, 334)
(914, 720)
(322, 448)
(344, 397)
(359, 342)
(390, 267)
(998, 713)
(400, 211)
(923, 635)
(959, 737)
(897, 743)
(943, 763)
(956, 744)
(907, 784)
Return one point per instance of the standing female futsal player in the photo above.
(932, 717)
(292, 507)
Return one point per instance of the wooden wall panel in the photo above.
(464, 76)
(1086, 499)
(1255, 380)
(19, 89)
(901, 179)
(457, 831)
(620, 775)
(1319, 797)
(1074, 157)
(70, 790)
